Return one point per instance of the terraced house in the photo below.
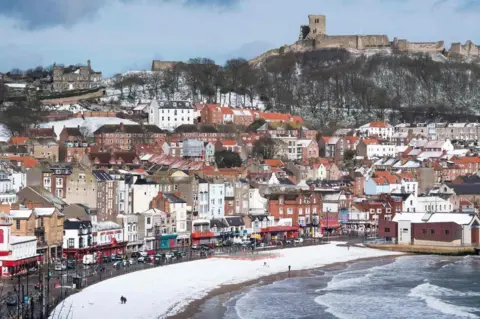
(125, 137)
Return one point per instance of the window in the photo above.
(71, 243)
(175, 187)
(387, 230)
(289, 211)
(447, 232)
(149, 220)
(432, 231)
(17, 224)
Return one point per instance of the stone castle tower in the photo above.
(316, 26)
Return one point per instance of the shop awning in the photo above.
(329, 224)
(19, 262)
(275, 229)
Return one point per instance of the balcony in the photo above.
(39, 231)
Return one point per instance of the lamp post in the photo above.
(315, 222)
(328, 211)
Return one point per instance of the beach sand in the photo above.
(229, 291)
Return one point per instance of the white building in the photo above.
(256, 203)
(106, 232)
(130, 231)
(216, 193)
(201, 205)
(382, 130)
(147, 221)
(142, 193)
(168, 115)
(77, 234)
(16, 251)
(465, 233)
(427, 204)
(380, 150)
(178, 211)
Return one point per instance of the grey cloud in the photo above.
(40, 14)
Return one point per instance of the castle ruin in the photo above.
(313, 37)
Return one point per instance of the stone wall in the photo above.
(438, 46)
(158, 65)
(373, 41)
(336, 41)
(469, 49)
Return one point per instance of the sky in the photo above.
(121, 35)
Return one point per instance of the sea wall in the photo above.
(430, 250)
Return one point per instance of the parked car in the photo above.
(59, 266)
(118, 264)
(135, 254)
(11, 299)
(298, 240)
(71, 264)
(141, 260)
(195, 247)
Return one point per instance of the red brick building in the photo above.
(124, 137)
(300, 207)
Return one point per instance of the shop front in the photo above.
(202, 237)
(168, 241)
(11, 267)
(279, 233)
(105, 250)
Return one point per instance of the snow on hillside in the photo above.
(4, 133)
(74, 108)
(164, 291)
(91, 124)
(145, 94)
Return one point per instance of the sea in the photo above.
(406, 287)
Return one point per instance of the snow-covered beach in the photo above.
(164, 291)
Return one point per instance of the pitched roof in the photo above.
(465, 189)
(226, 111)
(19, 140)
(27, 161)
(174, 199)
(276, 117)
(102, 175)
(104, 157)
(370, 141)
(42, 132)
(73, 131)
(228, 142)
(128, 128)
(379, 124)
(274, 162)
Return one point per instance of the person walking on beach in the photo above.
(348, 246)
(289, 267)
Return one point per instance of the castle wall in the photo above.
(426, 46)
(469, 49)
(372, 41)
(336, 41)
